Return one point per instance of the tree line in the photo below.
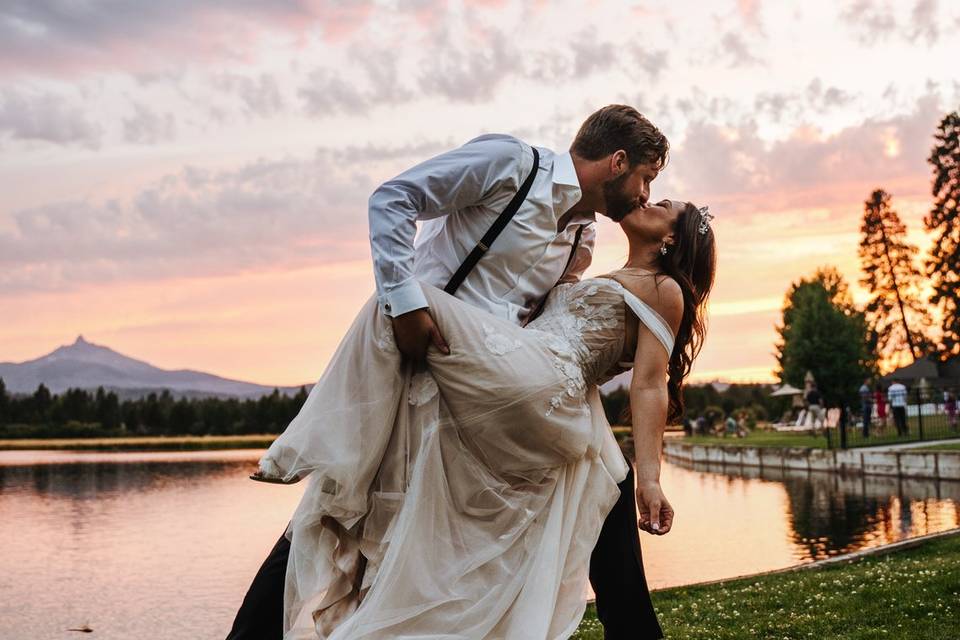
(100, 413)
(824, 332)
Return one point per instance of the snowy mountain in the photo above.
(87, 366)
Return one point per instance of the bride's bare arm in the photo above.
(648, 407)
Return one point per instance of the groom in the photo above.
(458, 196)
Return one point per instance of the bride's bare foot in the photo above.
(269, 472)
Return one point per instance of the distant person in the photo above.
(815, 406)
(897, 394)
(866, 406)
(742, 429)
(880, 400)
(950, 406)
(701, 425)
(730, 426)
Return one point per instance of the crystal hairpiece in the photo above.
(705, 218)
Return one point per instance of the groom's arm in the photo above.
(484, 171)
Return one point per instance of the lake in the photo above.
(163, 545)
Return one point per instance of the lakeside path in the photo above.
(909, 591)
(140, 443)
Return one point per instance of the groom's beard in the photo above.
(619, 204)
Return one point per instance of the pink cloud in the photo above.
(60, 39)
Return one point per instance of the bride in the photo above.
(466, 503)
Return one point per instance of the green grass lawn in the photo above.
(763, 439)
(145, 443)
(908, 595)
(953, 446)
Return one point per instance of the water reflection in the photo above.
(829, 514)
(163, 545)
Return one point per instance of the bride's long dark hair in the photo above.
(691, 261)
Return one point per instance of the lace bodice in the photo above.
(583, 323)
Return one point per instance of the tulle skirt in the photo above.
(462, 501)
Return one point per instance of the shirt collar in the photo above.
(563, 170)
(566, 187)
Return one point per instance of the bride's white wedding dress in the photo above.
(463, 501)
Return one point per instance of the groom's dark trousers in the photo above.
(616, 574)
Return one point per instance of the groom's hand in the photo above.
(415, 332)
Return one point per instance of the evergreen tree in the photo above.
(943, 265)
(822, 332)
(895, 314)
(42, 403)
(4, 403)
(107, 409)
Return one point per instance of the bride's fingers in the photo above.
(655, 515)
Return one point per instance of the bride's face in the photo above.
(654, 222)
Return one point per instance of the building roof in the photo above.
(935, 371)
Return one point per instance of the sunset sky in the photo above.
(186, 181)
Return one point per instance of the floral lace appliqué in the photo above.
(566, 333)
(497, 343)
(386, 341)
(422, 388)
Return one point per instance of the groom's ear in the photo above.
(619, 163)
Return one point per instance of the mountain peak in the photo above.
(85, 365)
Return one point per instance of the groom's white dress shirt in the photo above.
(457, 196)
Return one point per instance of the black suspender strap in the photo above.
(498, 225)
(573, 252)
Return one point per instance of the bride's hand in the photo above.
(656, 514)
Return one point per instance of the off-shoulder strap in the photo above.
(652, 319)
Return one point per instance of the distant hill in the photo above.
(84, 365)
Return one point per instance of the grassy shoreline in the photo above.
(140, 443)
(761, 439)
(912, 594)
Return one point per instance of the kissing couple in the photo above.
(463, 481)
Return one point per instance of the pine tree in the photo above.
(822, 332)
(943, 265)
(895, 314)
(4, 403)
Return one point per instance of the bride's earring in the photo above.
(663, 249)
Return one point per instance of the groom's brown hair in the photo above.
(616, 127)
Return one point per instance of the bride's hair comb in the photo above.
(705, 218)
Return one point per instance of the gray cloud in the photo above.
(327, 93)
(736, 51)
(822, 99)
(925, 21)
(814, 99)
(468, 72)
(284, 212)
(870, 20)
(591, 54)
(46, 117)
(720, 162)
(260, 95)
(290, 212)
(55, 36)
(653, 63)
(466, 69)
(148, 127)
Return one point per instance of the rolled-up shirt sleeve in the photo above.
(583, 255)
(483, 171)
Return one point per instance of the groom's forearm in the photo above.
(454, 181)
(393, 227)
